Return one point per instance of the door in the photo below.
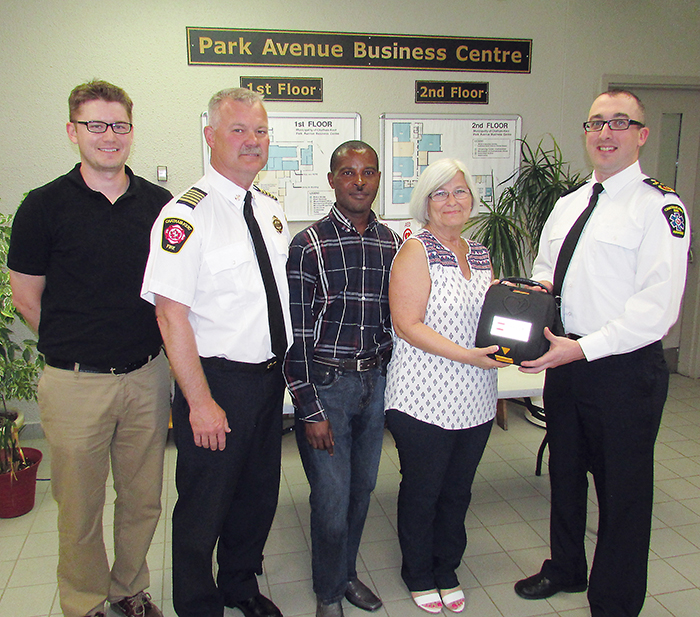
(672, 155)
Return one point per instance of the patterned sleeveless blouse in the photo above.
(431, 388)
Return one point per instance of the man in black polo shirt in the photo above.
(77, 255)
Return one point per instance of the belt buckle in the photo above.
(271, 364)
(364, 364)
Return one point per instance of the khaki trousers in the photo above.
(91, 420)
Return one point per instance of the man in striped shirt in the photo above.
(338, 273)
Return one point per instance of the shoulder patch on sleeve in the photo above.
(175, 234)
(259, 190)
(574, 188)
(659, 186)
(675, 217)
(192, 197)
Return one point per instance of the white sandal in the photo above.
(453, 599)
(429, 601)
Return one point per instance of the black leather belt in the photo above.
(86, 368)
(356, 364)
(573, 337)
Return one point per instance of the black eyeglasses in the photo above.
(94, 126)
(616, 124)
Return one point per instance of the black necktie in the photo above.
(274, 306)
(567, 248)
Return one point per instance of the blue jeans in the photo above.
(341, 484)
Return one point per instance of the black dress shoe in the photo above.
(361, 596)
(334, 609)
(539, 587)
(256, 606)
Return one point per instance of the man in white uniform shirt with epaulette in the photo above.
(216, 274)
(606, 378)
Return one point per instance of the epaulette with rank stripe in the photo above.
(192, 197)
(259, 190)
(660, 186)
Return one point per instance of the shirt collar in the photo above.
(345, 222)
(230, 190)
(75, 175)
(614, 184)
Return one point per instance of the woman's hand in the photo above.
(479, 357)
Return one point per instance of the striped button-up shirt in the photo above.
(338, 284)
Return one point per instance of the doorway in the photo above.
(672, 155)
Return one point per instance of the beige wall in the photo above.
(49, 46)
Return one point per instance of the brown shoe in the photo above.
(139, 605)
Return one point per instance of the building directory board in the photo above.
(301, 145)
(487, 144)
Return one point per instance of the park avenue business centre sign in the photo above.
(232, 46)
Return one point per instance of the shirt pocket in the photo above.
(556, 238)
(231, 269)
(614, 253)
(281, 247)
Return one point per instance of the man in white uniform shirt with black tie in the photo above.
(216, 273)
(607, 380)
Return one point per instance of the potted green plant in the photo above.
(511, 228)
(500, 231)
(20, 367)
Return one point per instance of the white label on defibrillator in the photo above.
(511, 328)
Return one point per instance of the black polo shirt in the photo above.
(93, 254)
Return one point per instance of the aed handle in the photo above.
(517, 280)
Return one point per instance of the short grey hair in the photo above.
(232, 94)
(435, 175)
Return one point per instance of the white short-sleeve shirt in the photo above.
(202, 256)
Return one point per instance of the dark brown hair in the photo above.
(98, 90)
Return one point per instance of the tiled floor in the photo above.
(507, 527)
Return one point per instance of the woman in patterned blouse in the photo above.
(441, 391)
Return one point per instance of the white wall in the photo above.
(47, 47)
